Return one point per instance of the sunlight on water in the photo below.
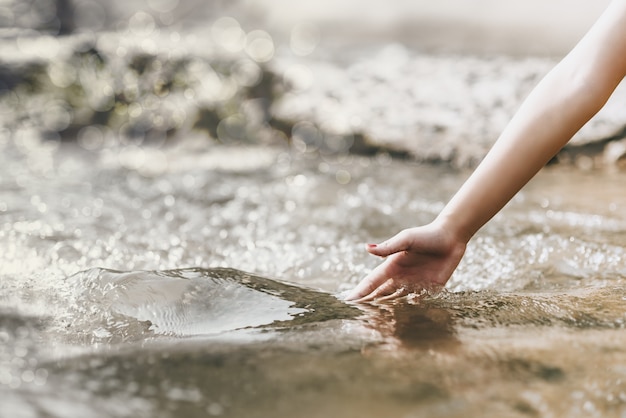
(175, 303)
(546, 273)
(182, 208)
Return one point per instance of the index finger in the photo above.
(369, 284)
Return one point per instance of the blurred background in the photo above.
(512, 26)
(432, 81)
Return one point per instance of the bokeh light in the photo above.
(247, 73)
(91, 137)
(57, 116)
(141, 24)
(227, 33)
(305, 37)
(260, 46)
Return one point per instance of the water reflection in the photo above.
(414, 325)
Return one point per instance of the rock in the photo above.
(433, 108)
(447, 108)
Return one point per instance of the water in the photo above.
(210, 289)
(146, 270)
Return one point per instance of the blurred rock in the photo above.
(148, 85)
(49, 16)
(436, 108)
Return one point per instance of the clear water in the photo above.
(207, 286)
(189, 279)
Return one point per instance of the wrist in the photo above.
(451, 226)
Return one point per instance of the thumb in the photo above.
(395, 244)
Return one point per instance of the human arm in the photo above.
(567, 97)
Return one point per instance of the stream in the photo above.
(185, 197)
(212, 287)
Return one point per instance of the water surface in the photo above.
(209, 286)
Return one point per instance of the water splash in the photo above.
(112, 306)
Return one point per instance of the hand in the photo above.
(417, 258)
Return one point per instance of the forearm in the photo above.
(557, 108)
(544, 124)
(422, 257)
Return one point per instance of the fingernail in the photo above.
(372, 245)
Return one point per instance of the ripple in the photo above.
(110, 306)
(582, 308)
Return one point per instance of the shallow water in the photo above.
(208, 285)
(181, 278)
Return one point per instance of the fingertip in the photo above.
(349, 297)
(358, 298)
(358, 293)
(375, 249)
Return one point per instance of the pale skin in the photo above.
(577, 88)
